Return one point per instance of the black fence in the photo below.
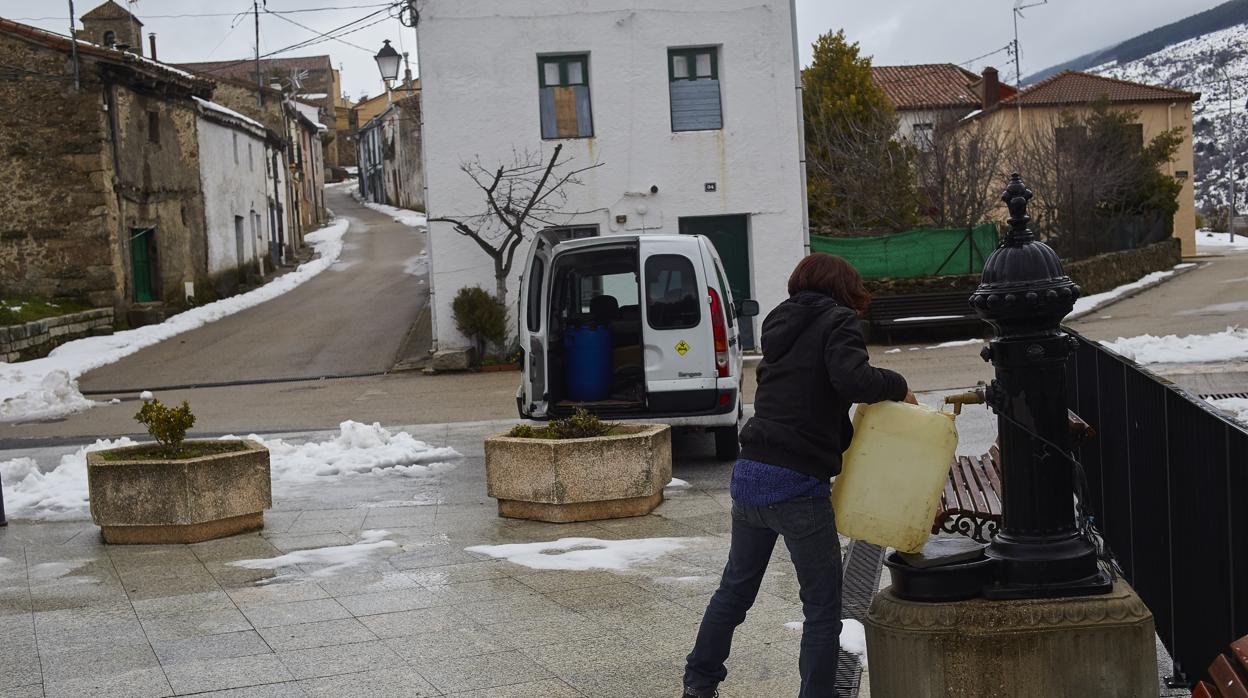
(1168, 484)
(1090, 233)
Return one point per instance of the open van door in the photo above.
(531, 313)
(679, 353)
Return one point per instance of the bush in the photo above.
(581, 425)
(480, 316)
(167, 425)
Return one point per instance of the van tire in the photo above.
(727, 443)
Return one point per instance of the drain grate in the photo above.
(860, 581)
(1224, 396)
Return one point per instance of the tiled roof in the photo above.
(111, 10)
(1074, 87)
(198, 86)
(931, 86)
(244, 69)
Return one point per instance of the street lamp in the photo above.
(388, 61)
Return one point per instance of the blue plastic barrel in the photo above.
(589, 363)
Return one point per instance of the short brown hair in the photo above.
(831, 276)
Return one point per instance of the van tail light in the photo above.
(719, 324)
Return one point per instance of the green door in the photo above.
(730, 236)
(141, 264)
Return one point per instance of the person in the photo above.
(814, 366)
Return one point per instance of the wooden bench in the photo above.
(971, 502)
(941, 309)
(1228, 674)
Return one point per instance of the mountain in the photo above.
(1202, 64)
(1224, 16)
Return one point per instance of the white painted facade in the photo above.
(480, 98)
(237, 177)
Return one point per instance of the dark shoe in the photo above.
(688, 694)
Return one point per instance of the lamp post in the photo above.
(388, 61)
(1024, 294)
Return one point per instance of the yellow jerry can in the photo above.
(893, 473)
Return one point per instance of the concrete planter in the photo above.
(560, 481)
(179, 501)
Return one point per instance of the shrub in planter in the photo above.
(579, 469)
(178, 491)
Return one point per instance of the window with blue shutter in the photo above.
(694, 76)
(564, 92)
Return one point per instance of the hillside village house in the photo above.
(391, 168)
(130, 197)
(924, 96)
(1160, 108)
(693, 112)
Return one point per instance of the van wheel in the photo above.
(727, 444)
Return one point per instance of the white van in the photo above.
(632, 327)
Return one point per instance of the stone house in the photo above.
(695, 116)
(306, 159)
(924, 96)
(310, 79)
(102, 199)
(391, 169)
(1039, 107)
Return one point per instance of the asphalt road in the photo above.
(1201, 301)
(348, 320)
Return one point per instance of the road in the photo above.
(348, 320)
(1201, 301)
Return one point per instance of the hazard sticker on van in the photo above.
(682, 347)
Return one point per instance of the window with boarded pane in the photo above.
(694, 76)
(564, 93)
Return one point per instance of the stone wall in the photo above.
(33, 340)
(1094, 275)
(56, 240)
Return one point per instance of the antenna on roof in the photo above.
(1018, 71)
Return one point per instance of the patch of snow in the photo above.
(683, 580)
(923, 318)
(48, 387)
(583, 553)
(893, 351)
(956, 343)
(1230, 345)
(853, 637)
(794, 625)
(677, 483)
(1209, 241)
(330, 561)
(1216, 308)
(417, 266)
(146, 395)
(1089, 303)
(408, 217)
(1237, 406)
(60, 492)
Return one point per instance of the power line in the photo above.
(318, 33)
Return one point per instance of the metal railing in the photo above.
(1168, 484)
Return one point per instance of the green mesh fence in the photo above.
(922, 252)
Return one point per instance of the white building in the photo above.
(243, 178)
(694, 111)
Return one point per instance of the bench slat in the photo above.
(965, 505)
(1239, 650)
(1204, 690)
(978, 502)
(1227, 681)
(991, 483)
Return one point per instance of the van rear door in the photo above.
(676, 330)
(531, 313)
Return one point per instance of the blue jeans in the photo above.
(809, 531)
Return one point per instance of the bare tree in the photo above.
(521, 197)
(860, 178)
(959, 172)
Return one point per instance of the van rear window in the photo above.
(672, 293)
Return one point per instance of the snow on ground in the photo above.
(59, 492)
(1087, 304)
(330, 561)
(956, 343)
(1230, 345)
(853, 637)
(677, 483)
(412, 219)
(1209, 241)
(584, 553)
(47, 388)
(418, 265)
(1237, 406)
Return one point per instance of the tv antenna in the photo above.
(1018, 71)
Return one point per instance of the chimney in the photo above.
(151, 39)
(990, 88)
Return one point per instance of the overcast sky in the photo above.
(892, 31)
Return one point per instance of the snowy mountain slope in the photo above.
(1198, 65)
